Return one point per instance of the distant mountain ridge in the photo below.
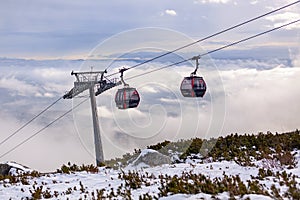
(259, 53)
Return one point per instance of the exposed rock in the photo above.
(4, 169)
(18, 169)
(13, 168)
(151, 158)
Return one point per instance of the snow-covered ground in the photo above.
(87, 185)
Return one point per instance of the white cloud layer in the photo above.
(262, 100)
(46, 152)
(284, 18)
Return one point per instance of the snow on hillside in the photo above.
(145, 183)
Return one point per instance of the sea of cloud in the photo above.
(243, 96)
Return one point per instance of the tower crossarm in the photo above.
(106, 85)
(78, 88)
(92, 76)
(86, 80)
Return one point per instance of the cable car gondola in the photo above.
(193, 86)
(126, 97)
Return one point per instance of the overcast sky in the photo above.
(252, 87)
(56, 29)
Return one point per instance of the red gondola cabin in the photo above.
(127, 97)
(193, 86)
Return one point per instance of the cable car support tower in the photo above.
(90, 81)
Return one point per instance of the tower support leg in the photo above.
(97, 136)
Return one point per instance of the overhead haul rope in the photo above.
(210, 36)
(215, 50)
(38, 132)
(27, 123)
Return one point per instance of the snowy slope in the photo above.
(85, 185)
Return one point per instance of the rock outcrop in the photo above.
(4, 169)
(13, 168)
(151, 158)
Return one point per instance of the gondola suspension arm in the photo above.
(197, 64)
(121, 76)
